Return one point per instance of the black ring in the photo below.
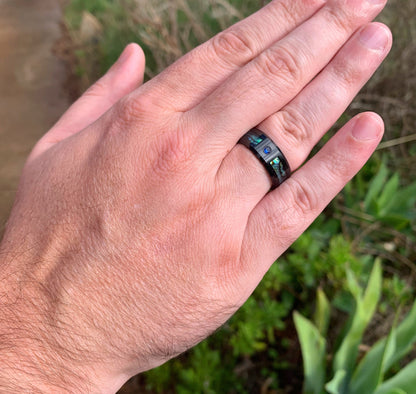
(269, 155)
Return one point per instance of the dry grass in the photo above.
(169, 29)
(165, 29)
(392, 91)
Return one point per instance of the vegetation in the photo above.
(348, 375)
(257, 351)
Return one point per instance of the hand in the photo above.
(140, 225)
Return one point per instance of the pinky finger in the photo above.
(284, 214)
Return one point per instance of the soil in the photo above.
(32, 85)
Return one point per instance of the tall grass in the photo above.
(165, 29)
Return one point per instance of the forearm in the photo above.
(31, 360)
(48, 343)
(18, 375)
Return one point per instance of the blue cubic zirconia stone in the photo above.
(267, 150)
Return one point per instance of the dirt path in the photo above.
(32, 96)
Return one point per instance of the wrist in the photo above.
(49, 340)
(31, 366)
(27, 361)
(35, 355)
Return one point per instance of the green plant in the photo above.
(388, 202)
(381, 198)
(377, 212)
(349, 375)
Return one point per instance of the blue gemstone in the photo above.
(267, 150)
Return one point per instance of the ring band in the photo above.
(269, 155)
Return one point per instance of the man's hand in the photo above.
(140, 225)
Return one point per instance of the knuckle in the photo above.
(232, 45)
(341, 21)
(289, 11)
(280, 220)
(348, 73)
(174, 153)
(132, 110)
(337, 166)
(348, 14)
(294, 125)
(304, 199)
(312, 3)
(98, 89)
(280, 63)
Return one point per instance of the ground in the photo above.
(32, 85)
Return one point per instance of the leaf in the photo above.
(335, 386)
(396, 221)
(322, 313)
(346, 355)
(404, 338)
(313, 348)
(353, 286)
(403, 201)
(370, 371)
(375, 187)
(404, 380)
(388, 195)
(373, 290)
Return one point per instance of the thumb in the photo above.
(121, 79)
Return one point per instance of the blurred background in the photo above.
(53, 50)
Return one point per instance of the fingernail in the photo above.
(124, 55)
(374, 37)
(366, 128)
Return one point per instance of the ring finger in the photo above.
(302, 123)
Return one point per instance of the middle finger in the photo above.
(276, 76)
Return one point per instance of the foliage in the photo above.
(377, 211)
(383, 199)
(350, 376)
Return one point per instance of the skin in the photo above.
(140, 226)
